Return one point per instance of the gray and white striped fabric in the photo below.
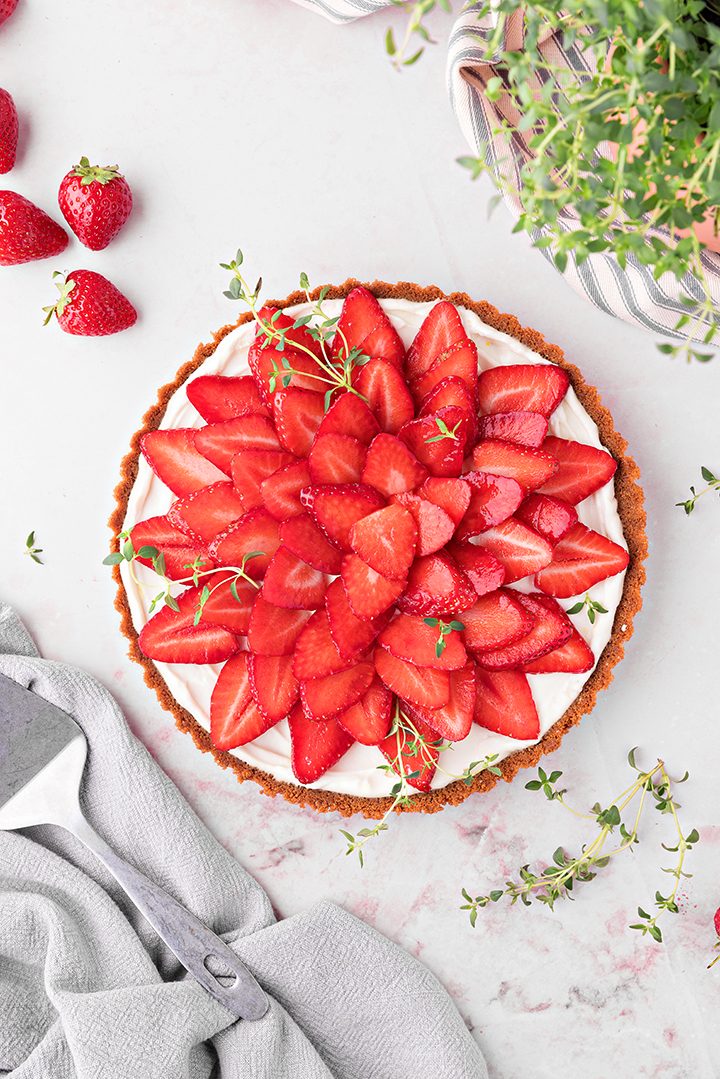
(631, 294)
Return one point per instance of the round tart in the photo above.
(382, 573)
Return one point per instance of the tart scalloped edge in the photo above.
(629, 496)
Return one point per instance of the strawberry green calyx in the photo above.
(96, 173)
(66, 285)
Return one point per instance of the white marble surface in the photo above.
(255, 123)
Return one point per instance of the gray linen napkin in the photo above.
(89, 991)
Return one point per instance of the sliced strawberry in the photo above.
(219, 442)
(493, 499)
(522, 428)
(436, 586)
(273, 684)
(207, 511)
(180, 549)
(336, 459)
(460, 361)
(386, 540)
(274, 319)
(368, 720)
(551, 517)
(350, 415)
(316, 744)
(574, 656)
(451, 495)
(387, 396)
(409, 637)
(273, 631)
(336, 508)
(522, 387)
(291, 582)
(452, 391)
(315, 652)
(505, 705)
(250, 468)
(218, 398)
(256, 530)
(409, 757)
(368, 592)
(582, 469)
(351, 634)
(234, 717)
(172, 637)
(483, 570)
(270, 368)
(427, 437)
(174, 459)
(496, 620)
(280, 492)
(454, 720)
(363, 324)
(528, 466)
(426, 686)
(434, 525)
(328, 697)
(520, 549)
(297, 415)
(581, 559)
(222, 608)
(550, 629)
(441, 329)
(391, 468)
(304, 538)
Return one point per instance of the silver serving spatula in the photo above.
(42, 758)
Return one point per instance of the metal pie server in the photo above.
(42, 759)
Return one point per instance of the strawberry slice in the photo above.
(452, 391)
(273, 631)
(409, 757)
(315, 652)
(351, 634)
(297, 415)
(454, 720)
(426, 686)
(441, 329)
(363, 324)
(270, 367)
(386, 541)
(272, 684)
(496, 620)
(291, 582)
(250, 468)
(581, 559)
(336, 459)
(280, 492)
(434, 526)
(256, 530)
(391, 468)
(505, 705)
(387, 396)
(550, 629)
(529, 467)
(219, 397)
(522, 387)
(316, 744)
(328, 697)
(493, 499)
(436, 586)
(305, 539)
(551, 517)
(274, 318)
(350, 415)
(234, 717)
(369, 593)
(222, 609)
(460, 361)
(520, 549)
(441, 453)
(582, 469)
(174, 459)
(368, 720)
(522, 428)
(207, 511)
(336, 508)
(172, 637)
(574, 656)
(482, 569)
(409, 637)
(451, 495)
(219, 442)
(180, 549)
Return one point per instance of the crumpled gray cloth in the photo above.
(89, 991)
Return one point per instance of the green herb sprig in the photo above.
(444, 631)
(445, 431)
(593, 608)
(32, 550)
(417, 12)
(713, 484)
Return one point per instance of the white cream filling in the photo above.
(358, 772)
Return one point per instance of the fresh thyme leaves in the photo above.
(445, 628)
(593, 608)
(32, 550)
(556, 880)
(417, 12)
(713, 485)
(445, 432)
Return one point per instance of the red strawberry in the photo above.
(551, 628)
(297, 415)
(452, 495)
(441, 329)
(363, 324)
(273, 631)
(96, 202)
(256, 530)
(26, 231)
(418, 758)
(316, 744)
(452, 391)
(207, 511)
(409, 637)
(582, 469)
(222, 608)
(90, 305)
(315, 652)
(505, 705)
(454, 720)
(436, 586)
(351, 634)
(522, 387)
(581, 559)
(386, 393)
(179, 549)
(528, 466)
(460, 361)
(8, 130)
(522, 428)
(234, 717)
(269, 367)
(6, 9)
(368, 720)
(350, 415)
(386, 540)
(391, 468)
(551, 517)
(290, 582)
(272, 684)
(219, 442)
(273, 319)
(438, 440)
(482, 569)
(520, 549)
(573, 656)
(218, 397)
(174, 460)
(493, 499)
(249, 470)
(328, 697)
(172, 637)
(336, 459)
(280, 492)
(336, 508)
(369, 593)
(304, 538)
(434, 525)
(426, 686)
(497, 619)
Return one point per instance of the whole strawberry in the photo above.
(96, 202)
(6, 9)
(8, 131)
(90, 305)
(26, 231)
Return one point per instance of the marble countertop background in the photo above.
(257, 124)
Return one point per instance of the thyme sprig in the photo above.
(32, 550)
(417, 12)
(444, 430)
(556, 880)
(444, 630)
(713, 485)
(593, 608)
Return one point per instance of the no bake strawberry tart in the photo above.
(376, 519)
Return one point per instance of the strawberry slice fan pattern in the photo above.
(336, 590)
